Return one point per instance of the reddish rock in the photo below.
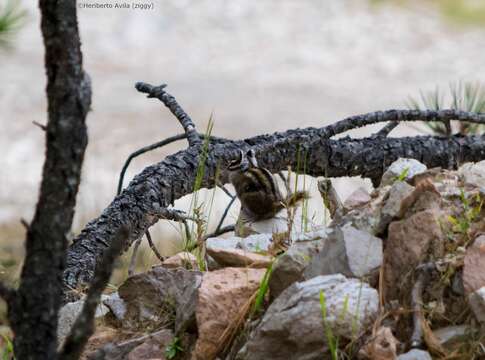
(409, 243)
(239, 258)
(222, 295)
(182, 259)
(153, 348)
(358, 198)
(474, 267)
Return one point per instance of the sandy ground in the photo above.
(259, 66)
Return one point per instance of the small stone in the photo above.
(288, 267)
(348, 251)
(415, 354)
(69, 313)
(116, 305)
(410, 167)
(239, 258)
(473, 174)
(477, 303)
(183, 259)
(358, 198)
(392, 206)
(254, 243)
(474, 265)
(382, 346)
(449, 336)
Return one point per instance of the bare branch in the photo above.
(424, 271)
(83, 327)
(39, 125)
(170, 102)
(224, 215)
(221, 231)
(154, 146)
(153, 247)
(387, 129)
(227, 192)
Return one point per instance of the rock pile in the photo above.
(400, 274)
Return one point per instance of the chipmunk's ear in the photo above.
(251, 155)
(236, 163)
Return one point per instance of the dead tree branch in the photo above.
(150, 192)
(170, 102)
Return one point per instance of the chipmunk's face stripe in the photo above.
(237, 163)
(251, 156)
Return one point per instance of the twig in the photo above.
(131, 268)
(170, 102)
(154, 146)
(424, 271)
(387, 129)
(224, 215)
(285, 181)
(227, 192)
(330, 198)
(221, 231)
(397, 116)
(41, 126)
(83, 327)
(153, 247)
(25, 224)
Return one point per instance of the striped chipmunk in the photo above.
(257, 189)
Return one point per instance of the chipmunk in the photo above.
(257, 190)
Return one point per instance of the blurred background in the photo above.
(257, 66)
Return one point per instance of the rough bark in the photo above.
(33, 311)
(157, 186)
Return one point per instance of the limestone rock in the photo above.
(153, 298)
(477, 303)
(292, 327)
(116, 305)
(392, 205)
(356, 199)
(415, 354)
(221, 298)
(473, 269)
(399, 166)
(69, 313)
(183, 259)
(288, 267)
(473, 174)
(348, 251)
(409, 243)
(254, 243)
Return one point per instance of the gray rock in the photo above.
(347, 251)
(449, 335)
(356, 199)
(473, 174)
(415, 354)
(289, 267)
(477, 303)
(154, 297)
(69, 313)
(116, 305)
(399, 166)
(292, 327)
(390, 210)
(253, 243)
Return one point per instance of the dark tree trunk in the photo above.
(34, 308)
